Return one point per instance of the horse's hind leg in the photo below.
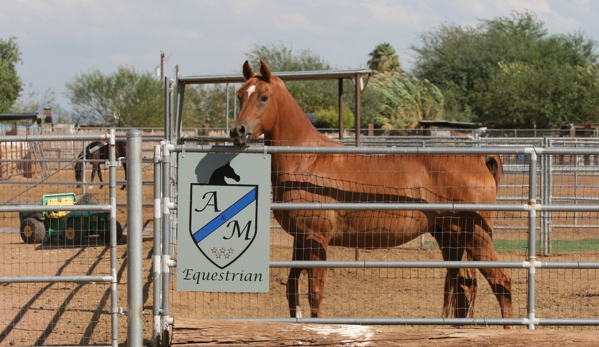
(94, 168)
(473, 233)
(460, 284)
(100, 176)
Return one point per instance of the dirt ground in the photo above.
(74, 313)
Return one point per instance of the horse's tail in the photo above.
(495, 166)
(460, 288)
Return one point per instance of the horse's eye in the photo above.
(264, 98)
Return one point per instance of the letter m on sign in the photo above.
(223, 220)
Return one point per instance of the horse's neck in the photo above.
(293, 127)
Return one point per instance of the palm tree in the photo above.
(384, 59)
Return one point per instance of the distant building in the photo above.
(579, 130)
(450, 128)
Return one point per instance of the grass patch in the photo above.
(558, 246)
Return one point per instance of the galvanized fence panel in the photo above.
(545, 235)
(59, 287)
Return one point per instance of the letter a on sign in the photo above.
(223, 235)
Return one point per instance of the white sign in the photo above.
(223, 235)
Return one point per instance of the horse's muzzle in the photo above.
(239, 135)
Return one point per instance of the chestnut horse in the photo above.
(97, 151)
(267, 108)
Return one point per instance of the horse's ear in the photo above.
(247, 70)
(264, 71)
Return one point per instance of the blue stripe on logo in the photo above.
(225, 216)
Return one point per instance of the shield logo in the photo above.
(223, 220)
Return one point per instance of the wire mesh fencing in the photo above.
(57, 273)
(390, 282)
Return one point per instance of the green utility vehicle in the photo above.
(68, 228)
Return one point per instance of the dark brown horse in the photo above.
(268, 109)
(95, 152)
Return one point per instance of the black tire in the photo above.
(73, 233)
(32, 230)
(105, 235)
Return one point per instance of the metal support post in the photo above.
(114, 303)
(134, 240)
(156, 265)
(532, 225)
(166, 240)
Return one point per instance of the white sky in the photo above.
(62, 38)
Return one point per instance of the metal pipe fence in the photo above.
(59, 288)
(59, 270)
(546, 236)
(391, 286)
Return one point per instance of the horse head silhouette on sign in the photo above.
(267, 108)
(225, 171)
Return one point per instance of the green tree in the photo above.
(126, 98)
(329, 118)
(528, 96)
(406, 100)
(466, 64)
(384, 59)
(207, 105)
(281, 58)
(395, 101)
(10, 82)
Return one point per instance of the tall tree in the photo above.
(528, 96)
(280, 58)
(10, 82)
(466, 63)
(384, 59)
(126, 98)
(394, 101)
(406, 100)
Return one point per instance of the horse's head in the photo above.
(257, 111)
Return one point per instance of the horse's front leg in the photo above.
(125, 169)
(315, 250)
(293, 281)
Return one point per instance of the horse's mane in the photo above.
(313, 137)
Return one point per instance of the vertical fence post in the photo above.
(114, 302)
(134, 240)
(166, 243)
(532, 228)
(543, 200)
(156, 265)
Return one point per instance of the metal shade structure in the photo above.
(340, 75)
